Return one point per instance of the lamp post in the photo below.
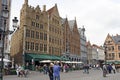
(15, 23)
(4, 32)
(97, 56)
(105, 51)
(15, 26)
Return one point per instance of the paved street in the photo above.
(73, 75)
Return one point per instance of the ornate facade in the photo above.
(71, 40)
(112, 44)
(40, 32)
(43, 32)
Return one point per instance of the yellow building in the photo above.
(42, 35)
(39, 35)
(112, 49)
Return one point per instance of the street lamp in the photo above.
(97, 56)
(15, 26)
(4, 32)
(105, 51)
(15, 21)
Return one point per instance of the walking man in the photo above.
(104, 70)
(56, 71)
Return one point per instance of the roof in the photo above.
(116, 39)
(71, 23)
(51, 10)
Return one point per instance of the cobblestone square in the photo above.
(73, 75)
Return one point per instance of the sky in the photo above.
(99, 17)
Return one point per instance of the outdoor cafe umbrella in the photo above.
(5, 60)
(45, 61)
(73, 62)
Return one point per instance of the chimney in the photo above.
(44, 7)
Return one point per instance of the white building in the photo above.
(98, 55)
(83, 46)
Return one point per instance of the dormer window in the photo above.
(37, 17)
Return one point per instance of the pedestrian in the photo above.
(86, 68)
(18, 70)
(113, 68)
(45, 69)
(56, 71)
(109, 67)
(104, 70)
(50, 71)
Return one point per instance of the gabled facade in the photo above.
(112, 44)
(75, 38)
(40, 32)
(71, 39)
(55, 31)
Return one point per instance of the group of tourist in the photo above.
(21, 71)
(54, 71)
(108, 69)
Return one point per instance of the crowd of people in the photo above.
(21, 71)
(53, 69)
(108, 69)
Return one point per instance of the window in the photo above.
(32, 45)
(37, 25)
(27, 33)
(113, 55)
(49, 49)
(32, 34)
(49, 39)
(41, 36)
(52, 50)
(118, 47)
(33, 23)
(36, 46)
(37, 35)
(27, 44)
(45, 36)
(52, 40)
(45, 47)
(41, 26)
(109, 55)
(37, 17)
(112, 48)
(41, 47)
(119, 55)
(50, 29)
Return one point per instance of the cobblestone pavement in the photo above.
(73, 75)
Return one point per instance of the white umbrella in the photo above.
(45, 61)
(5, 60)
(73, 62)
